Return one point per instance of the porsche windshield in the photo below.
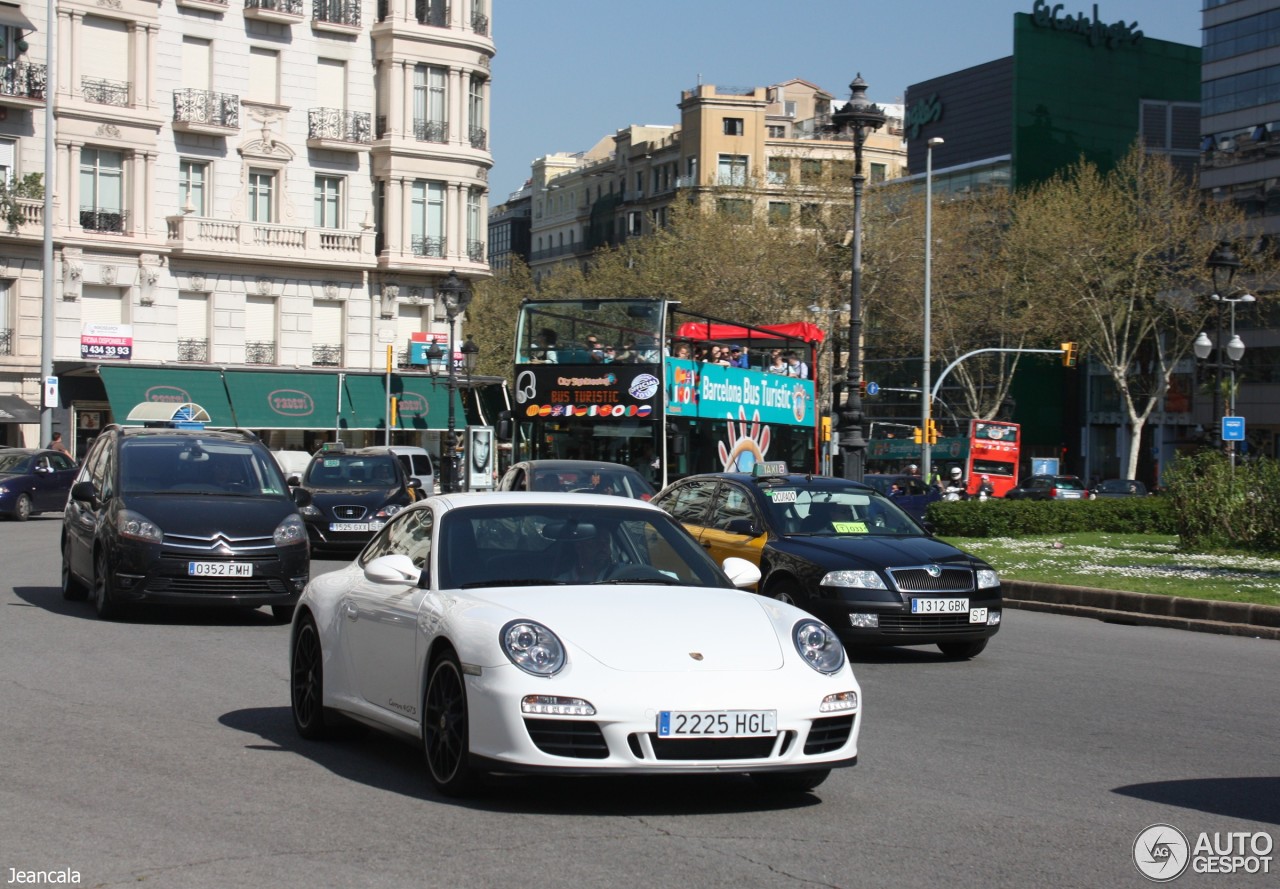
(836, 512)
(539, 544)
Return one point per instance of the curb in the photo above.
(1146, 609)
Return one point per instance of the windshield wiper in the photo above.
(506, 581)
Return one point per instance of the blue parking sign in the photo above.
(1233, 428)
(1044, 466)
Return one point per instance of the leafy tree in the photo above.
(30, 186)
(491, 317)
(1120, 258)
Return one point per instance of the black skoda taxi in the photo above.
(353, 492)
(845, 553)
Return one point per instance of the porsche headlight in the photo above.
(138, 527)
(862, 580)
(818, 645)
(987, 579)
(532, 647)
(290, 531)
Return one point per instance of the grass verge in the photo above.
(1139, 563)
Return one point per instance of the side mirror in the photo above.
(301, 496)
(294, 480)
(397, 569)
(742, 574)
(85, 492)
(415, 483)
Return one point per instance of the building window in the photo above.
(328, 202)
(732, 169)
(428, 218)
(476, 131)
(776, 132)
(779, 213)
(640, 184)
(635, 222)
(191, 180)
(733, 126)
(102, 190)
(810, 171)
(879, 172)
(262, 185)
(811, 215)
(734, 209)
(475, 227)
(6, 329)
(430, 101)
(8, 154)
(264, 75)
(779, 170)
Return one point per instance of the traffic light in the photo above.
(931, 432)
(917, 435)
(1069, 356)
(826, 427)
(862, 388)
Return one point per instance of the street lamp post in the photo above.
(926, 402)
(1223, 264)
(456, 297)
(826, 398)
(860, 118)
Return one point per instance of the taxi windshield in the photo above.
(836, 512)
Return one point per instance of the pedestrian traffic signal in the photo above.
(917, 435)
(931, 432)
(1069, 355)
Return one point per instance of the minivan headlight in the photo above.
(290, 531)
(389, 510)
(136, 526)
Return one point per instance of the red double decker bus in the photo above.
(994, 449)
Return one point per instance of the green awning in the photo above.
(275, 400)
(127, 387)
(423, 402)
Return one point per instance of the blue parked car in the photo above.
(34, 480)
(915, 495)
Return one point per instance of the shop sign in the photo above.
(112, 342)
(923, 113)
(1044, 15)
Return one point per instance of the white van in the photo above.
(417, 463)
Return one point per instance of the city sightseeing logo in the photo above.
(1162, 853)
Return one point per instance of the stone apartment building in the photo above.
(266, 191)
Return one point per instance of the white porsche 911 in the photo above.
(569, 634)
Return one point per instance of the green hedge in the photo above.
(1219, 506)
(1015, 518)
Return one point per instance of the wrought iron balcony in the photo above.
(336, 12)
(193, 351)
(274, 10)
(432, 12)
(479, 137)
(105, 92)
(23, 80)
(480, 23)
(431, 130)
(431, 247)
(260, 353)
(475, 251)
(6, 341)
(195, 110)
(109, 221)
(337, 129)
(326, 356)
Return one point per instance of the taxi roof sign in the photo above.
(762, 470)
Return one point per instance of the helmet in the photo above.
(986, 478)
(956, 472)
(913, 468)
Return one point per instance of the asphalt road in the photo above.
(160, 752)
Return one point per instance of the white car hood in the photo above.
(647, 628)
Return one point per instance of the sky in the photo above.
(568, 72)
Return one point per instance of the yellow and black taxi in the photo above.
(353, 493)
(846, 554)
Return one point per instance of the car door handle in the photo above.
(706, 545)
(350, 610)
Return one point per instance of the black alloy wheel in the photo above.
(72, 589)
(22, 509)
(445, 740)
(306, 685)
(104, 602)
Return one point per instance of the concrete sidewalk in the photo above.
(1201, 615)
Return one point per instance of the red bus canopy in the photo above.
(706, 330)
